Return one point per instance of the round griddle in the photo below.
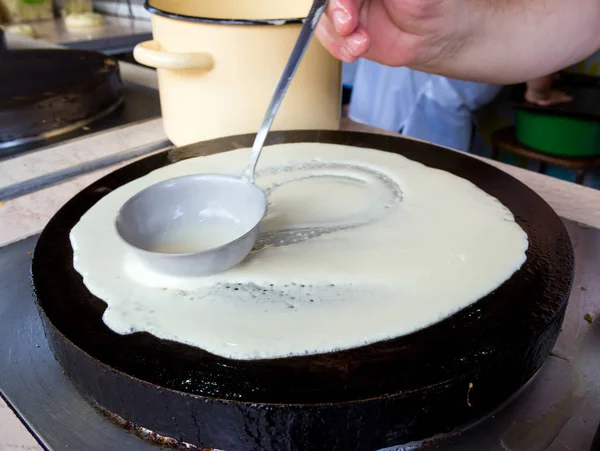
(406, 389)
(48, 92)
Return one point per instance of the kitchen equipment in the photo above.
(504, 141)
(161, 223)
(45, 93)
(218, 64)
(370, 397)
(283, 85)
(140, 103)
(172, 207)
(570, 129)
(59, 417)
(558, 134)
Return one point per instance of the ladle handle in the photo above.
(310, 23)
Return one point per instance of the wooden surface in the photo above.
(506, 140)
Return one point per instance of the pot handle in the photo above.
(150, 53)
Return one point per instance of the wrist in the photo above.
(466, 48)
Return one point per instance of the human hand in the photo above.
(490, 41)
(539, 91)
(414, 33)
(552, 97)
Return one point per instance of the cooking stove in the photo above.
(140, 103)
(89, 100)
(547, 414)
(33, 384)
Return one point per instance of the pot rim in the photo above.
(210, 20)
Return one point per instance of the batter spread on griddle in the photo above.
(358, 246)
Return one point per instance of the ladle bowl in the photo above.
(205, 224)
(193, 225)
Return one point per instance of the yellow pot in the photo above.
(218, 62)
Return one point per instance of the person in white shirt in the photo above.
(428, 107)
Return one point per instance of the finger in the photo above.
(326, 33)
(557, 98)
(344, 16)
(347, 46)
(553, 101)
(358, 43)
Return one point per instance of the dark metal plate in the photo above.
(47, 92)
(380, 395)
(140, 103)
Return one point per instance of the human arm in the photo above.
(493, 41)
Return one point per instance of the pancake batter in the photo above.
(358, 246)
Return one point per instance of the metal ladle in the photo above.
(207, 223)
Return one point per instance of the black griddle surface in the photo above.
(365, 398)
(473, 336)
(48, 403)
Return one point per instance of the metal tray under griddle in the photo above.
(407, 389)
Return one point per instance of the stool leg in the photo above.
(580, 176)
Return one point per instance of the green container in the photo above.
(558, 135)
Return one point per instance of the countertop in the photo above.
(26, 216)
(116, 35)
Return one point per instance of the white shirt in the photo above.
(424, 106)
